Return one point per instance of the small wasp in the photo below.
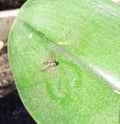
(49, 64)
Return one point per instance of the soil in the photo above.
(10, 4)
(12, 110)
(6, 80)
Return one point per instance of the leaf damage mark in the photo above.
(116, 1)
(30, 35)
(64, 43)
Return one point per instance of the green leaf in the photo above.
(84, 38)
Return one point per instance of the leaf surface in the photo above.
(83, 36)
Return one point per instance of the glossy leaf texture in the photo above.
(84, 38)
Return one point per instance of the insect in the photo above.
(49, 64)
